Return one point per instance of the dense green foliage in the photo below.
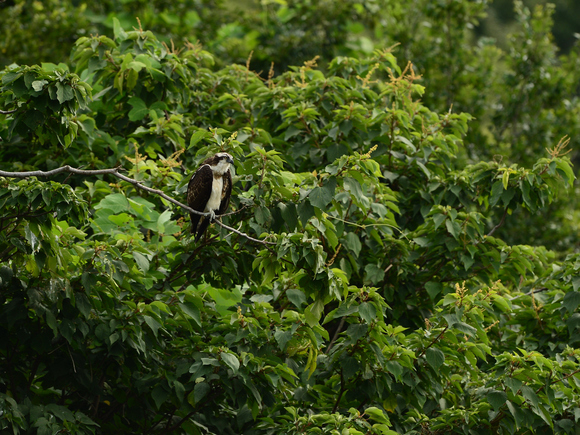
(388, 296)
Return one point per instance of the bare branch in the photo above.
(116, 173)
(493, 230)
(7, 112)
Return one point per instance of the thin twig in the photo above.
(340, 393)
(233, 212)
(499, 224)
(115, 172)
(7, 112)
(433, 342)
(335, 336)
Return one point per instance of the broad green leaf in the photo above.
(116, 202)
(373, 273)
(198, 136)
(282, 338)
(433, 289)
(139, 109)
(313, 312)
(377, 415)
(435, 357)
(231, 361)
(322, 196)
(571, 301)
(118, 30)
(38, 85)
(353, 243)
(356, 331)
(438, 219)
(192, 311)
(153, 324)
(465, 328)
(367, 311)
(142, 261)
(296, 296)
(454, 228)
(64, 93)
(199, 392)
(496, 399)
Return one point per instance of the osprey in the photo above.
(209, 191)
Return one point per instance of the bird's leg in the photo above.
(211, 215)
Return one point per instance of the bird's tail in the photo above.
(201, 228)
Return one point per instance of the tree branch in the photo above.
(7, 112)
(336, 334)
(493, 230)
(115, 172)
(340, 393)
(432, 343)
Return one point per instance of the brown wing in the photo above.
(226, 193)
(198, 193)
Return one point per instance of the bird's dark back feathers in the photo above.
(199, 191)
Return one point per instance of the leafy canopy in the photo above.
(386, 305)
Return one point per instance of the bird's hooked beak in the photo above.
(230, 160)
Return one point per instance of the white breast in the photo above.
(216, 195)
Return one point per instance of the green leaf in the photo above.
(394, 368)
(357, 331)
(496, 399)
(530, 395)
(513, 384)
(573, 322)
(116, 202)
(199, 392)
(465, 328)
(435, 358)
(179, 390)
(64, 92)
(296, 296)
(9, 77)
(496, 192)
(83, 304)
(377, 415)
(289, 214)
(433, 288)
(454, 228)
(518, 413)
(305, 211)
(118, 30)
(505, 179)
(142, 261)
(38, 85)
(438, 219)
(282, 338)
(571, 301)
(313, 312)
(231, 361)
(373, 273)
(192, 311)
(60, 411)
(197, 136)
(322, 196)
(139, 109)
(153, 324)
(350, 366)
(352, 242)
(367, 312)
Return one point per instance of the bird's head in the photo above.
(220, 163)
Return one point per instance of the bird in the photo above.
(209, 191)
